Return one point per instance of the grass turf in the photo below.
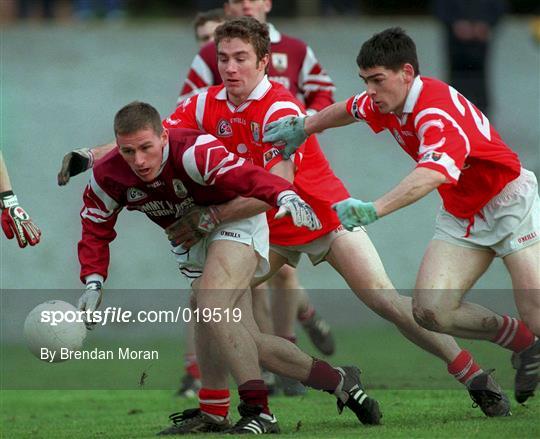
(417, 397)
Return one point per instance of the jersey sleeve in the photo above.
(272, 151)
(200, 75)
(316, 85)
(98, 217)
(444, 145)
(185, 115)
(361, 108)
(209, 163)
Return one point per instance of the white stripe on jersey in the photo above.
(438, 111)
(202, 70)
(280, 105)
(310, 61)
(190, 162)
(98, 215)
(199, 110)
(194, 91)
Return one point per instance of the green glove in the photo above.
(355, 213)
(288, 131)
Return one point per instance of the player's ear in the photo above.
(267, 6)
(164, 137)
(264, 61)
(408, 73)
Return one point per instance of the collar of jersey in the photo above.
(413, 95)
(275, 36)
(163, 159)
(257, 94)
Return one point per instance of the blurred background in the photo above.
(68, 66)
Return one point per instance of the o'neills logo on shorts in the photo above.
(230, 234)
(528, 237)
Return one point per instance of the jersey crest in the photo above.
(224, 128)
(256, 131)
(135, 194)
(179, 188)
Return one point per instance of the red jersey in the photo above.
(441, 130)
(241, 129)
(196, 170)
(292, 63)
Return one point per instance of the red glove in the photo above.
(16, 222)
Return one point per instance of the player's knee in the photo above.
(428, 318)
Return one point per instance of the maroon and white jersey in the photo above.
(292, 64)
(441, 130)
(196, 170)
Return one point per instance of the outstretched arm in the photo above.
(80, 160)
(420, 182)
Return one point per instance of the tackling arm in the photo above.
(412, 188)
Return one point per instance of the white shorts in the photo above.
(508, 223)
(315, 250)
(250, 231)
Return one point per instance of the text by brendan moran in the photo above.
(64, 354)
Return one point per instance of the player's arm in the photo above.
(15, 221)
(293, 131)
(80, 160)
(98, 218)
(420, 182)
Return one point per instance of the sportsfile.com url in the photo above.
(112, 314)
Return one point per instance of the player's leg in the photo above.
(524, 268)
(446, 273)
(356, 259)
(263, 317)
(191, 381)
(227, 273)
(286, 359)
(290, 301)
(354, 256)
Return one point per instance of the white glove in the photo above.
(302, 214)
(91, 299)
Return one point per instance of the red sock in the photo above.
(255, 392)
(191, 366)
(291, 338)
(464, 368)
(514, 335)
(323, 376)
(215, 402)
(307, 314)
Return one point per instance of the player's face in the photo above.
(388, 89)
(205, 33)
(257, 9)
(239, 68)
(143, 151)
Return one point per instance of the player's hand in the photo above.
(289, 131)
(301, 212)
(17, 223)
(193, 226)
(90, 300)
(73, 163)
(355, 213)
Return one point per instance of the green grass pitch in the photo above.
(417, 396)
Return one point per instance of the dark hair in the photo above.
(391, 49)
(249, 30)
(202, 18)
(137, 116)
